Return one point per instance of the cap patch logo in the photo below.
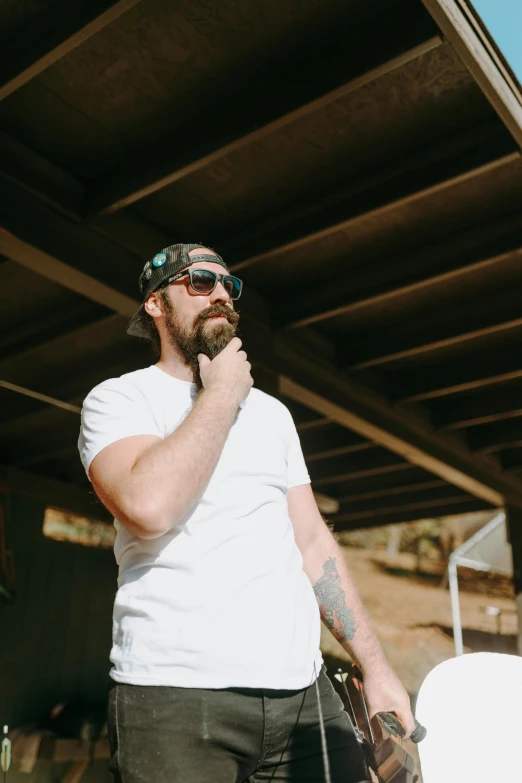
(159, 259)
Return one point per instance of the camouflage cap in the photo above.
(160, 270)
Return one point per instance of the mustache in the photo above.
(210, 312)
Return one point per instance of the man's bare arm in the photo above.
(341, 607)
(148, 483)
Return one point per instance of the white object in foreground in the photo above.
(471, 706)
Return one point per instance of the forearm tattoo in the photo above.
(330, 597)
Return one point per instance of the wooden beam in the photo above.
(474, 371)
(456, 23)
(51, 35)
(402, 490)
(496, 436)
(75, 362)
(56, 432)
(303, 417)
(41, 177)
(348, 522)
(132, 233)
(367, 486)
(421, 501)
(465, 157)
(330, 470)
(74, 256)
(313, 424)
(514, 527)
(372, 469)
(80, 499)
(308, 378)
(66, 406)
(471, 325)
(56, 187)
(318, 443)
(315, 456)
(468, 411)
(362, 288)
(319, 79)
(102, 261)
(46, 265)
(64, 317)
(390, 436)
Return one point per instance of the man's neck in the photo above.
(172, 364)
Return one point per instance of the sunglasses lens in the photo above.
(232, 286)
(203, 280)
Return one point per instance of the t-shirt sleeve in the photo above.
(297, 473)
(112, 411)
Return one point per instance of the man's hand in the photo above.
(229, 372)
(385, 693)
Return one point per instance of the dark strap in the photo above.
(207, 257)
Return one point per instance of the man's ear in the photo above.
(154, 305)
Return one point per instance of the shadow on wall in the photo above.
(56, 633)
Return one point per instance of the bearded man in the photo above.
(225, 563)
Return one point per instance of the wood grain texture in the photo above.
(46, 38)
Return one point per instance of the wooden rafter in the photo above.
(315, 82)
(305, 377)
(373, 519)
(58, 30)
(456, 23)
(361, 289)
(472, 372)
(483, 408)
(446, 166)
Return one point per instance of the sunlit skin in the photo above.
(187, 304)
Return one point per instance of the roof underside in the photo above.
(343, 159)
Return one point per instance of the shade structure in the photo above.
(488, 550)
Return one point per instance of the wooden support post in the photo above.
(514, 520)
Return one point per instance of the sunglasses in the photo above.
(203, 281)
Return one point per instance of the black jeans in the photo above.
(191, 735)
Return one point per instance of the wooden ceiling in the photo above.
(344, 159)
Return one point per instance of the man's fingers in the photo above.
(404, 716)
(203, 360)
(234, 345)
(408, 721)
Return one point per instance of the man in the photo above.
(225, 562)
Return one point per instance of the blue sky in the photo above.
(503, 18)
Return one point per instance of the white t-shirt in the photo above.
(221, 600)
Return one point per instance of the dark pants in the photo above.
(192, 735)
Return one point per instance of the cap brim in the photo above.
(136, 327)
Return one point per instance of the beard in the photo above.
(201, 337)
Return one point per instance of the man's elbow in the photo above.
(147, 521)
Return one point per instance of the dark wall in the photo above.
(55, 635)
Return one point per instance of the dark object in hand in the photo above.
(393, 725)
(381, 737)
